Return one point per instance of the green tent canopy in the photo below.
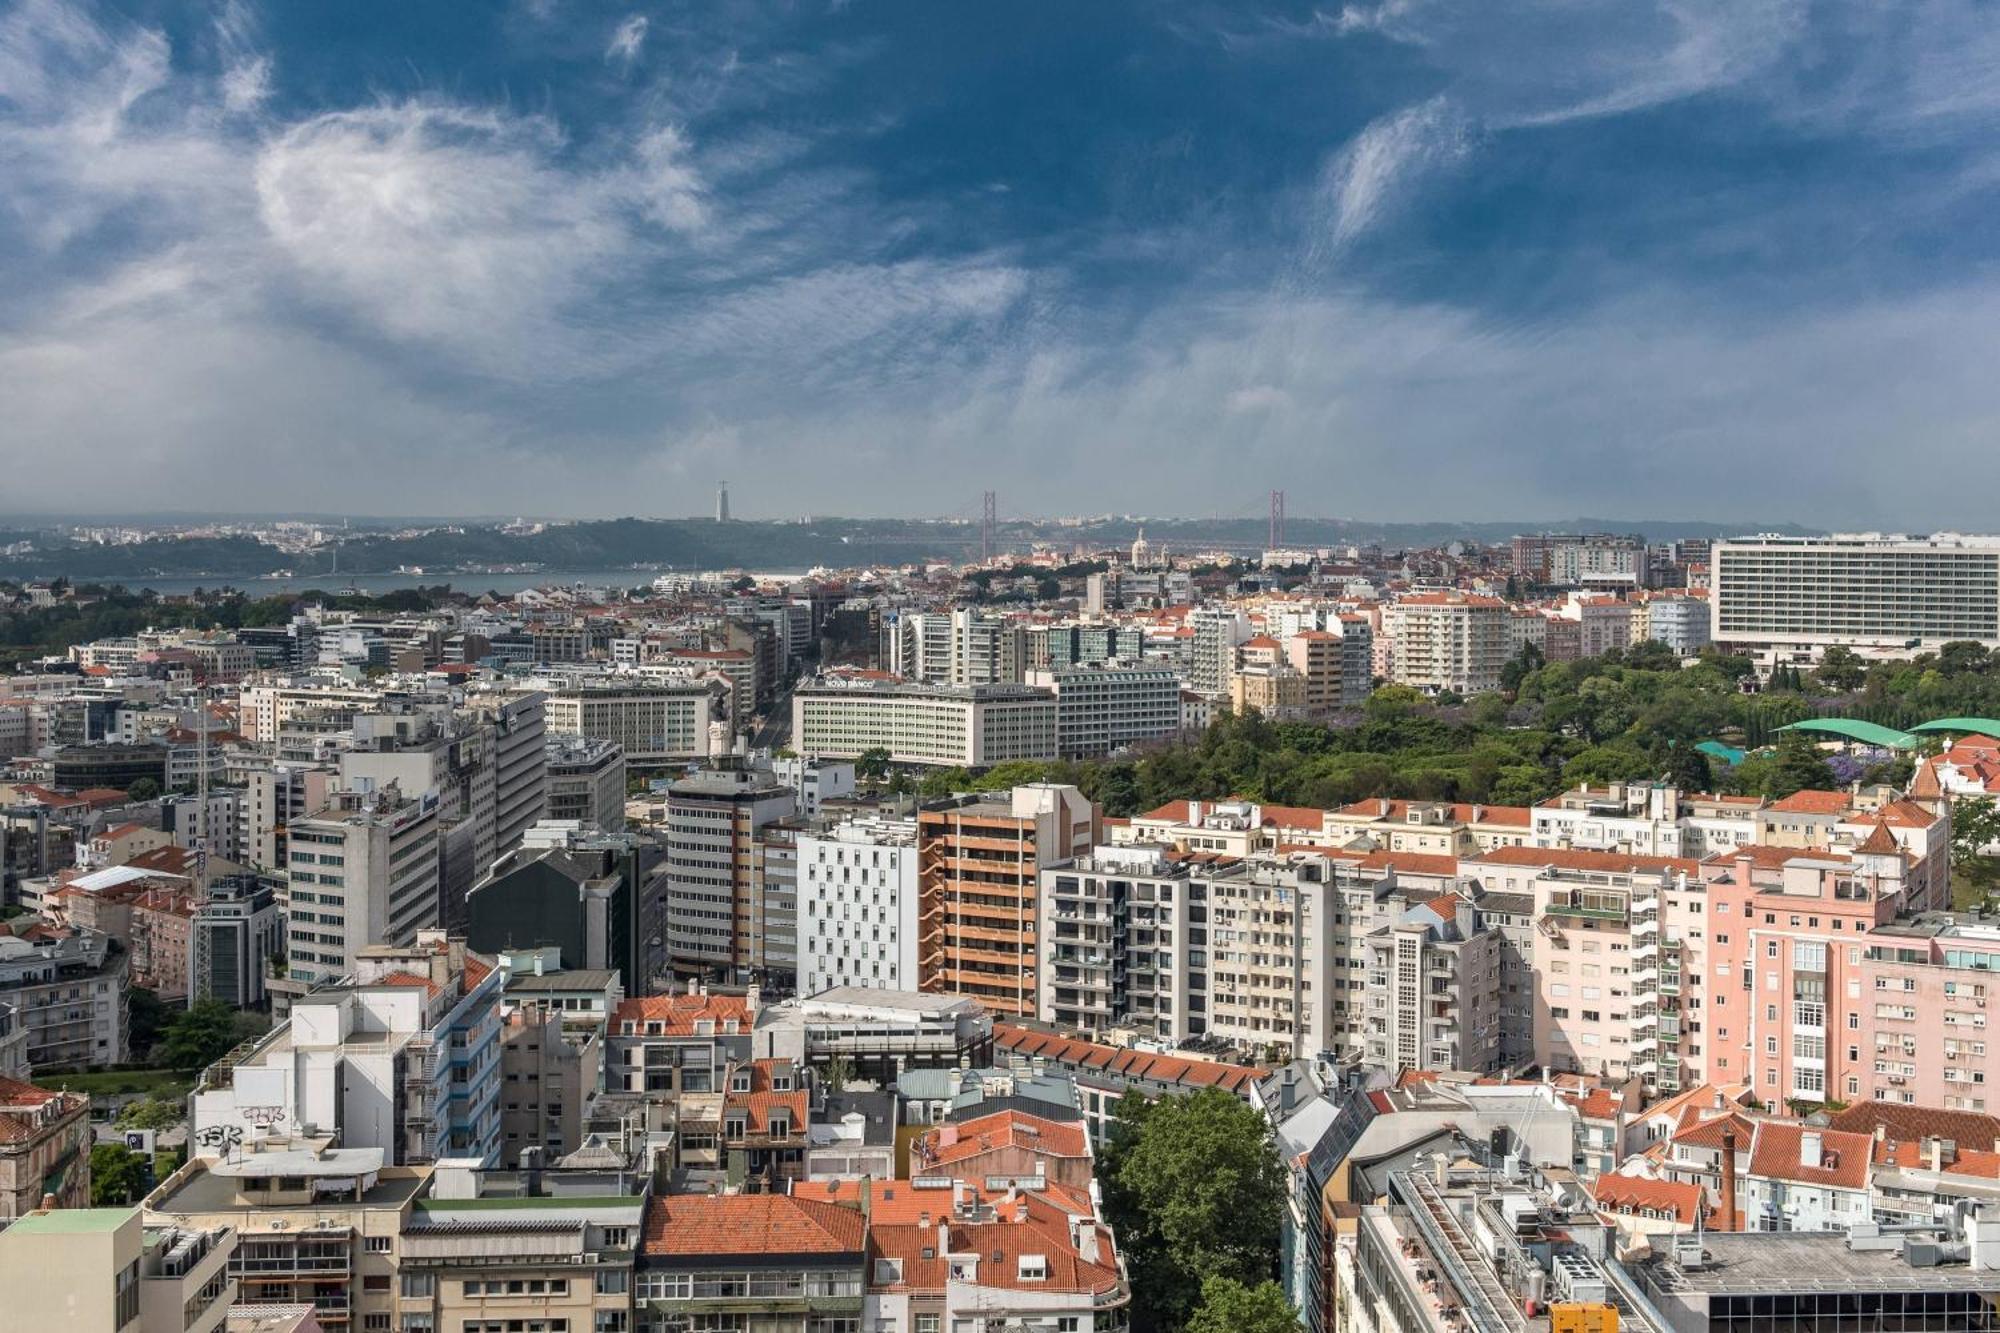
(1853, 729)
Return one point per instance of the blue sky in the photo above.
(1406, 259)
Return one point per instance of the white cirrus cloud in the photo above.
(628, 40)
(443, 224)
(1363, 181)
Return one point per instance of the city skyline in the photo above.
(1401, 260)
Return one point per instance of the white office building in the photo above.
(653, 724)
(944, 725)
(857, 886)
(1788, 598)
(1105, 708)
(362, 871)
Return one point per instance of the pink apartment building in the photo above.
(1789, 928)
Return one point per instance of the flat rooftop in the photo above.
(579, 979)
(884, 998)
(1752, 1262)
(72, 1222)
(206, 1192)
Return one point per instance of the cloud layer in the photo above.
(1412, 259)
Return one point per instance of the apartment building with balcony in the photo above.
(1447, 641)
(1433, 999)
(877, 1033)
(1787, 598)
(1108, 707)
(108, 1269)
(1271, 941)
(314, 1225)
(535, 1249)
(67, 987)
(1646, 819)
(1431, 828)
(1117, 949)
(1790, 995)
(979, 862)
(45, 1142)
(429, 1249)
(662, 1046)
(1619, 949)
(403, 1056)
(1922, 995)
(791, 1265)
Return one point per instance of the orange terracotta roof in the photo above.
(1918, 1122)
(1597, 1104)
(1810, 802)
(1879, 842)
(678, 1014)
(1698, 1133)
(701, 1225)
(974, 1138)
(1462, 812)
(1173, 1070)
(1637, 1194)
(1906, 814)
(1916, 1156)
(1843, 1161)
(407, 979)
(1773, 858)
(1577, 858)
(1031, 1225)
(899, 1202)
(1412, 863)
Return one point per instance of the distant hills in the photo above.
(642, 544)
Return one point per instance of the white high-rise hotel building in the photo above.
(1788, 598)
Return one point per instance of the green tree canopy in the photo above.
(202, 1034)
(1975, 825)
(117, 1175)
(1797, 765)
(1228, 1306)
(145, 1017)
(1198, 1194)
(152, 1113)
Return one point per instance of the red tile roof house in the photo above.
(1103, 1073)
(1024, 1259)
(754, 1257)
(1009, 1143)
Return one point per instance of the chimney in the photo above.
(1934, 1148)
(1809, 1148)
(1728, 1180)
(531, 1164)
